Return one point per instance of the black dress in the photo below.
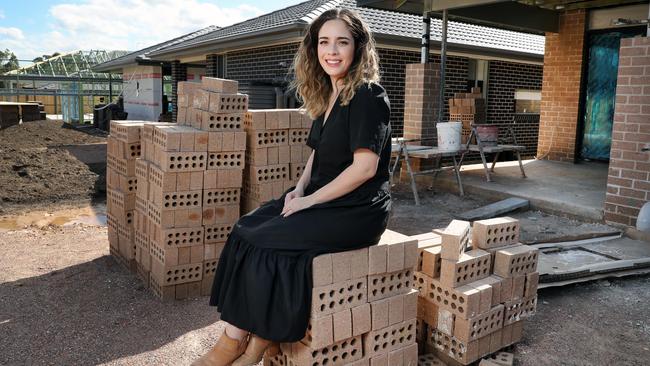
(263, 280)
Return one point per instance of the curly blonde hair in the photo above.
(312, 84)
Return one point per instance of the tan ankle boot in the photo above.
(255, 350)
(224, 352)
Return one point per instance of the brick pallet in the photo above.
(363, 309)
(468, 108)
(472, 303)
(276, 154)
(188, 194)
(123, 148)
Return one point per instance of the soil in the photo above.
(36, 171)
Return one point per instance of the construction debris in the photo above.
(494, 209)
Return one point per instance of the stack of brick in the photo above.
(276, 154)
(363, 309)
(190, 192)
(468, 108)
(123, 148)
(473, 302)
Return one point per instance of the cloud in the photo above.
(11, 33)
(127, 24)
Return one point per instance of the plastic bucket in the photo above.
(449, 136)
(488, 134)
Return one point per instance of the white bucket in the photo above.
(449, 136)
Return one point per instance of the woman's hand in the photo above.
(296, 204)
(296, 193)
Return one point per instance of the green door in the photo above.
(600, 95)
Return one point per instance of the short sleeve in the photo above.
(314, 134)
(369, 119)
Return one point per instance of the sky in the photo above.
(31, 28)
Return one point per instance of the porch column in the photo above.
(421, 103)
(179, 73)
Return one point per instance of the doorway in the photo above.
(600, 91)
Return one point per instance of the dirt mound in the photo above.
(35, 170)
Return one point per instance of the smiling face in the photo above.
(335, 48)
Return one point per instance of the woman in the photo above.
(341, 202)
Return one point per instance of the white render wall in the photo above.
(142, 92)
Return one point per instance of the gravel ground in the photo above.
(65, 301)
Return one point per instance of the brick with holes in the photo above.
(218, 122)
(496, 232)
(339, 296)
(471, 266)
(515, 260)
(226, 141)
(448, 346)
(173, 275)
(479, 326)
(424, 241)
(382, 286)
(225, 160)
(266, 138)
(227, 103)
(455, 239)
(268, 173)
(217, 233)
(390, 338)
(340, 353)
(464, 301)
(517, 310)
(221, 197)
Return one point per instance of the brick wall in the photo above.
(263, 64)
(563, 57)
(628, 184)
(503, 80)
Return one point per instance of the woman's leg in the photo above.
(234, 332)
(230, 346)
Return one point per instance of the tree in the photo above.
(8, 61)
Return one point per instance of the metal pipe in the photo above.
(426, 37)
(443, 61)
(110, 88)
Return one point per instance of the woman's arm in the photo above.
(303, 182)
(363, 167)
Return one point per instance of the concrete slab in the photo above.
(573, 190)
